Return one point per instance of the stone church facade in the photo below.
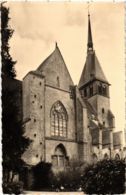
(67, 122)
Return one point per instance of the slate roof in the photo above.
(53, 55)
(55, 62)
(92, 70)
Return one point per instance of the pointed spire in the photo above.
(90, 43)
(56, 45)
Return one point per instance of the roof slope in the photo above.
(92, 70)
(55, 70)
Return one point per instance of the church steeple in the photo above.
(93, 80)
(90, 42)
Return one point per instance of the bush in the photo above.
(66, 181)
(41, 174)
(13, 188)
(105, 177)
(69, 179)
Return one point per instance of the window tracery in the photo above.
(58, 120)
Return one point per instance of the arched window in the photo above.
(94, 158)
(117, 157)
(58, 120)
(102, 89)
(60, 159)
(106, 157)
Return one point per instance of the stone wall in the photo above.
(100, 102)
(70, 146)
(33, 111)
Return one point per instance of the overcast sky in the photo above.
(39, 25)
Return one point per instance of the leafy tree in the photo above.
(13, 142)
(6, 33)
(104, 177)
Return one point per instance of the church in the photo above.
(68, 122)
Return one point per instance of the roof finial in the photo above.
(90, 42)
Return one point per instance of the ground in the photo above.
(53, 193)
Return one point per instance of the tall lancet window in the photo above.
(59, 119)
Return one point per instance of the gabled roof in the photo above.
(54, 55)
(92, 70)
(55, 71)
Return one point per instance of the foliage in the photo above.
(42, 176)
(13, 188)
(104, 177)
(13, 142)
(70, 179)
(6, 33)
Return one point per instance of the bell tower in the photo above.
(93, 84)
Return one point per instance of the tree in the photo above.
(104, 177)
(13, 141)
(6, 33)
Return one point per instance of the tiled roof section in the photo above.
(92, 70)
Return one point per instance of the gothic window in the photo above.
(106, 157)
(94, 158)
(58, 120)
(54, 160)
(59, 159)
(117, 157)
(102, 89)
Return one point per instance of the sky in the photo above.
(38, 25)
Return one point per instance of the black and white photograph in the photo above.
(63, 97)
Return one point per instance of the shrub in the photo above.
(104, 177)
(69, 179)
(42, 174)
(66, 181)
(13, 188)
